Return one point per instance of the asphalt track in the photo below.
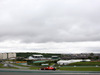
(15, 73)
(39, 72)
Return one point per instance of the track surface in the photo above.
(39, 72)
(11, 73)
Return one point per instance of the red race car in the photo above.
(48, 68)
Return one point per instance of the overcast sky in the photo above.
(55, 26)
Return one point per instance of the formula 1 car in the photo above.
(48, 68)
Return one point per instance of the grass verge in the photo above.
(34, 68)
(9, 67)
(85, 64)
(1, 66)
(21, 65)
(80, 68)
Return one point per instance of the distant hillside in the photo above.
(29, 54)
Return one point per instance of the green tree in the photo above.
(91, 54)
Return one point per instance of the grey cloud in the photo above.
(50, 20)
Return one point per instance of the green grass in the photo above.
(80, 68)
(85, 64)
(1, 65)
(9, 67)
(21, 65)
(34, 68)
